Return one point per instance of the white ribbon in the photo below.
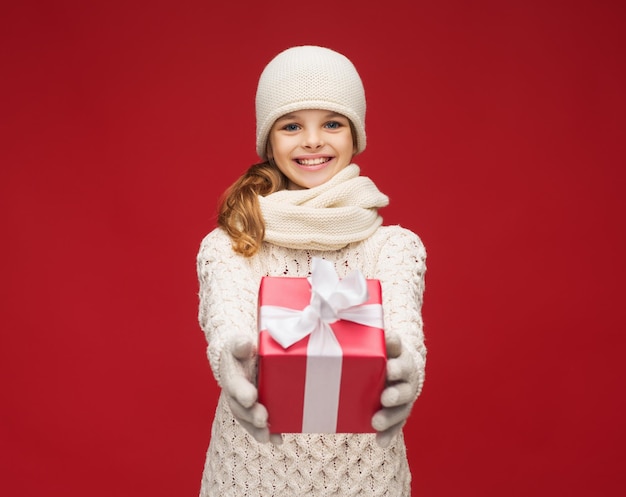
(332, 299)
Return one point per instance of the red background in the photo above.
(497, 130)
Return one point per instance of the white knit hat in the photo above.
(308, 77)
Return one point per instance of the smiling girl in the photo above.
(307, 199)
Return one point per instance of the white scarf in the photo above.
(326, 217)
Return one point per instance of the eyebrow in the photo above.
(293, 116)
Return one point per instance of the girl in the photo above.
(306, 199)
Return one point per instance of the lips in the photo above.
(313, 162)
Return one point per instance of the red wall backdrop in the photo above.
(497, 129)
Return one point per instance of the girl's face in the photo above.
(311, 146)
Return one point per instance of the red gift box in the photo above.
(319, 393)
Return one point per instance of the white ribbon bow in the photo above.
(332, 299)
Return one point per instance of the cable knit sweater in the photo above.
(313, 465)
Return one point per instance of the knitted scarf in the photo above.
(326, 217)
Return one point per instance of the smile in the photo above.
(312, 162)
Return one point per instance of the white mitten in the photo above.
(400, 393)
(237, 370)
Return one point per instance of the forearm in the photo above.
(402, 268)
(227, 295)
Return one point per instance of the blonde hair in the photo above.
(239, 211)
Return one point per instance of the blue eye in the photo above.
(332, 125)
(291, 127)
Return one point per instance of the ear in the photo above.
(268, 151)
(355, 148)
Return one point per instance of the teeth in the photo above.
(312, 162)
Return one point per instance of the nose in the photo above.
(312, 139)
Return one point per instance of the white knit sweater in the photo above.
(306, 464)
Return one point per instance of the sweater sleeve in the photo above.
(401, 270)
(227, 293)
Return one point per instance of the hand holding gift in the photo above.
(400, 393)
(237, 367)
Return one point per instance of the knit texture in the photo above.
(309, 77)
(341, 211)
(306, 464)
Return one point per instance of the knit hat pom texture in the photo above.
(309, 77)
